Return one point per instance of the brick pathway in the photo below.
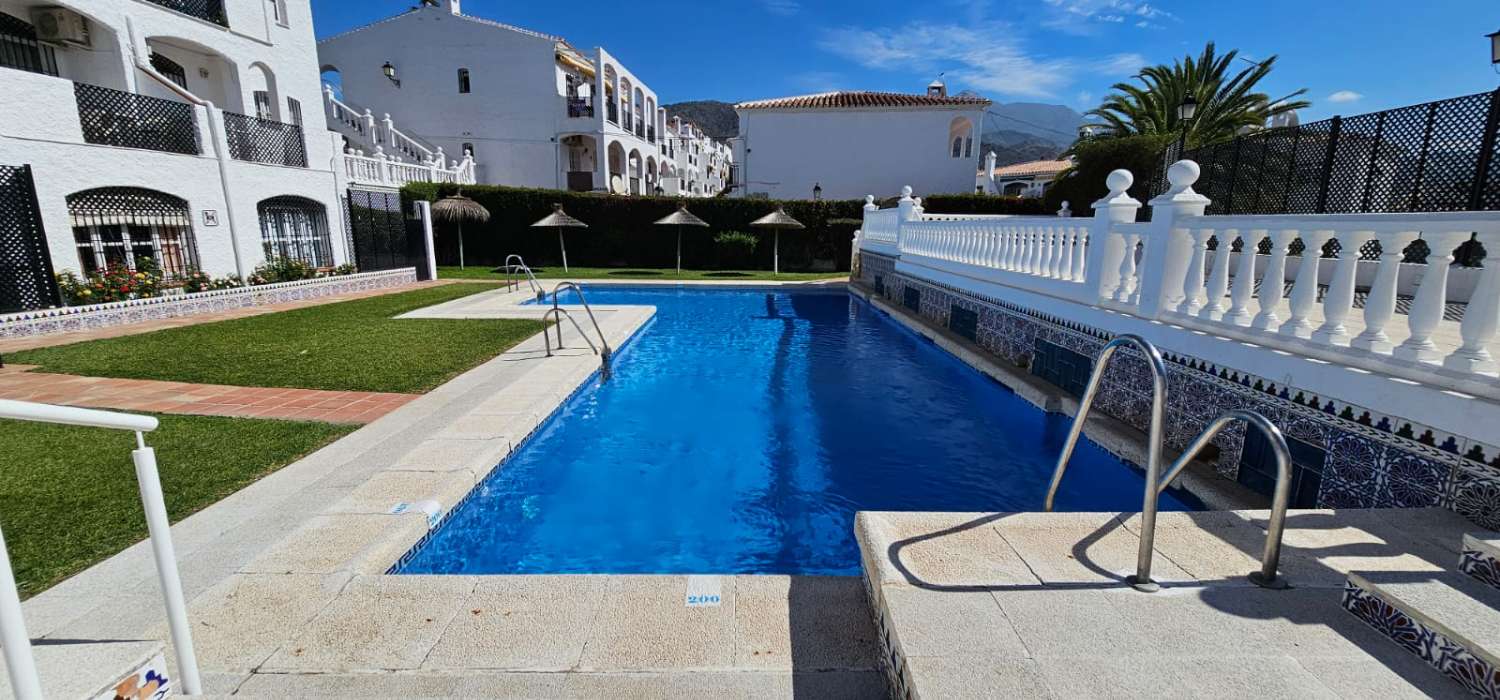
(198, 399)
(27, 343)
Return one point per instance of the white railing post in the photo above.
(906, 211)
(160, 530)
(19, 664)
(382, 166)
(369, 119)
(1305, 288)
(1168, 247)
(1107, 248)
(1339, 300)
(1380, 304)
(1432, 297)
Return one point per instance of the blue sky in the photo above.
(1353, 56)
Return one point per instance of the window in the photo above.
(169, 69)
(129, 225)
(468, 149)
(278, 11)
(961, 136)
(20, 49)
(463, 81)
(263, 104)
(295, 228)
(294, 110)
(968, 147)
(958, 146)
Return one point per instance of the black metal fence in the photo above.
(26, 280)
(382, 236)
(211, 10)
(264, 140)
(1439, 156)
(117, 118)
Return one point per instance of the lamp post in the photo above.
(1185, 112)
(817, 192)
(1494, 50)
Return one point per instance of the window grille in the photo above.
(20, 49)
(463, 81)
(124, 225)
(294, 111)
(265, 140)
(210, 10)
(295, 228)
(169, 69)
(116, 118)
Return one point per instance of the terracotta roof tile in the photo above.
(855, 100)
(1035, 167)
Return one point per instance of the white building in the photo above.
(855, 143)
(692, 163)
(175, 129)
(1029, 179)
(533, 110)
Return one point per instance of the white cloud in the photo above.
(1085, 98)
(986, 57)
(785, 8)
(1078, 16)
(1345, 96)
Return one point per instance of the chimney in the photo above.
(989, 166)
(936, 88)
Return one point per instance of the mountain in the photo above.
(1023, 131)
(717, 119)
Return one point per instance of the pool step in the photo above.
(1449, 620)
(90, 669)
(1481, 558)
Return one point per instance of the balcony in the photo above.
(206, 10)
(116, 118)
(580, 107)
(613, 113)
(264, 140)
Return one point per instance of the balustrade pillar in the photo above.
(1380, 304)
(1164, 268)
(1432, 297)
(1273, 282)
(1105, 255)
(1481, 319)
(1339, 300)
(1305, 289)
(1193, 294)
(1244, 279)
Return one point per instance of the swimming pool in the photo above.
(741, 431)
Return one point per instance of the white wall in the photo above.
(852, 152)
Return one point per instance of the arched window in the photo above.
(295, 228)
(958, 146)
(463, 81)
(961, 136)
(130, 225)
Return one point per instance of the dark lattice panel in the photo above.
(20, 49)
(26, 280)
(1439, 156)
(116, 118)
(382, 237)
(211, 10)
(264, 140)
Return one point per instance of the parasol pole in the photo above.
(679, 249)
(776, 254)
(460, 245)
(564, 247)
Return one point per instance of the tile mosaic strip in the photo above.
(1481, 565)
(1431, 646)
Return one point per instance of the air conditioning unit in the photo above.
(59, 25)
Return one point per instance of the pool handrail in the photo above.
(513, 274)
(1142, 578)
(561, 313)
(557, 291)
(1280, 498)
(20, 665)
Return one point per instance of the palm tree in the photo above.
(1225, 104)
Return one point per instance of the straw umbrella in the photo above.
(559, 220)
(777, 220)
(681, 217)
(457, 209)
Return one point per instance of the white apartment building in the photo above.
(531, 109)
(850, 144)
(187, 131)
(692, 163)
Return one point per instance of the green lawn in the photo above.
(71, 497)
(637, 273)
(347, 346)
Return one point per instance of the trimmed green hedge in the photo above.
(985, 204)
(621, 232)
(1094, 159)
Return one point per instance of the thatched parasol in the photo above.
(777, 220)
(458, 209)
(559, 220)
(681, 217)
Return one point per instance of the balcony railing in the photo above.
(379, 169)
(116, 118)
(207, 10)
(613, 112)
(264, 140)
(580, 107)
(1322, 299)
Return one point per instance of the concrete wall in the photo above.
(853, 152)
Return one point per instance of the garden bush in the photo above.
(1094, 159)
(115, 283)
(736, 248)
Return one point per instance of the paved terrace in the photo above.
(987, 605)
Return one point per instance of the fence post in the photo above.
(1106, 248)
(1486, 151)
(1164, 267)
(424, 212)
(1334, 130)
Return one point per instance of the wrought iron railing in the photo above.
(20, 49)
(613, 112)
(580, 107)
(264, 140)
(116, 118)
(209, 10)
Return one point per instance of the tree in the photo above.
(1225, 104)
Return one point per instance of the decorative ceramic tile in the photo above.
(1476, 495)
(1481, 566)
(1431, 646)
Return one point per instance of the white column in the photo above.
(424, 212)
(1168, 247)
(1380, 305)
(1192, 283)
(1305, 291)
(1340, 298)
(1108, 246)
(1244, 279)
(1273, 282)
(1432, 296)
(1218, 279)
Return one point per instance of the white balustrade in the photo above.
(380, 169)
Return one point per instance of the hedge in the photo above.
(1094, 159)
(621, 232)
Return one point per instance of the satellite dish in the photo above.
(617, 184)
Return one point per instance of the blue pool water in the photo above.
(741, 431)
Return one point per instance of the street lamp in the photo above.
(1494, 49)
(817, 191)
(390, 73)
(1185, 112)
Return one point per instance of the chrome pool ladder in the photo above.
(558, 313)
(513, 276)
(1156, 484)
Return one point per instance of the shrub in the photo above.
(1094, 159)
(736, 248)
(984, 204)
(345, 269)
(116, 283)
(280, 269)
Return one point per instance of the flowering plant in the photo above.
(199, 281)
(115, 283)
(281, 269)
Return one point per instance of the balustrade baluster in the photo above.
(1012, 246)
(1339, 300)
(1059, 251)
(1380, 304)
(1080, 253)
(1481, 319)
(1218, 279)
(1023, 255)
(1432, 297)
(1305, 289)
(991, 247)
(1192, 286)
(1128, 284)
(1065, 253)
(1034, 263)
(1273, 282)
(1244, 279)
